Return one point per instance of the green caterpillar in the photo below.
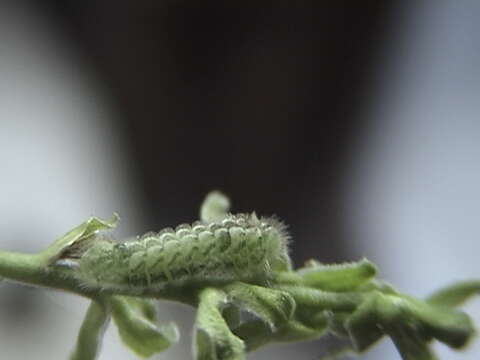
(238, 247)
(219, 249)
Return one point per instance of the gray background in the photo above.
(377, 159)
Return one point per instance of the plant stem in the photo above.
(34, 269)
(26, 268)
(91, 333)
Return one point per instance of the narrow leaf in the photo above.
(79, 233)
(137, 329)
(447, 325)
(362, 325)
(410, 344)
(274, 307)
(213, 338)
(338, 277)
(455, 294)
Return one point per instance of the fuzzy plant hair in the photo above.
(235, 269)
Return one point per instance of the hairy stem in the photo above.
(25, 268)
(92, 330)
(34, 269)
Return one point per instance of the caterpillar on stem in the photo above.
(235, 270)
(227, 248)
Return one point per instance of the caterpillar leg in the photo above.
(213, 338)
(91, 332)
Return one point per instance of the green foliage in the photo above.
(135, 319)
(235, 313)
(91, 332)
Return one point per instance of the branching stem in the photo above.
(34, 269)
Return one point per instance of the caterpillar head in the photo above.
(215, 206)
(278, 240)
(97, 263)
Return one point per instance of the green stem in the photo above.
(34, 269)
(26, 268)
(92, 330)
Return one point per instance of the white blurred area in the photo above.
(61, 162)
(413, 194)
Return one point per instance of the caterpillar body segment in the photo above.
(237, 247)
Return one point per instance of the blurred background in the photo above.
(356, 123)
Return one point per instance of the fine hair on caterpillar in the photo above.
(233, 247)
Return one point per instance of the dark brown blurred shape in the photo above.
(259, 101)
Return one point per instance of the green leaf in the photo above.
(257, 313)
(319, 300)
(337, 277)
(455, 294)
(79, 233)
(274, 307)
(137, 329)
(145, 307)
(336, 322)
(447, 325)
(213, 338)
(254, 334)
(363, 324)
(91, 332)
(410, 344)
(411, 324)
